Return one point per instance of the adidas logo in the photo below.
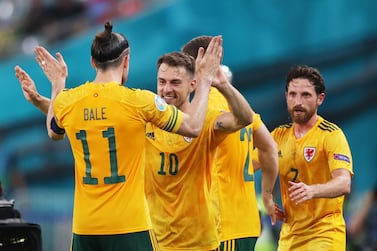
(150, 135)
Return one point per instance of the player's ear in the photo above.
(93, 64)
(193, 85)
(126, 60)
(321, 98)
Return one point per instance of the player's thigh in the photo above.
(139, 241)
(241, 244)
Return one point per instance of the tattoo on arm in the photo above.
(268, 191)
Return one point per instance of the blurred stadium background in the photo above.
(262, 40)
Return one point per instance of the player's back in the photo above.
(105, 124)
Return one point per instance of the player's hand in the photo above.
(207, 64)
(221, 80)
(280, 216)
(269, 205)
(299, 192)
(55, 69)
(27, 85)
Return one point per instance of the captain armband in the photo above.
(55, 128)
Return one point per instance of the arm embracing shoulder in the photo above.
(206, 66)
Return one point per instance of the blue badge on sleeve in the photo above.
(160, 103)
(342, 157)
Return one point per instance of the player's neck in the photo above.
(108, 76)
(301, 129)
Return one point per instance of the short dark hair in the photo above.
(305, 72)
(178, 59)
(192, 46)
(108, 47)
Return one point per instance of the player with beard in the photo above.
(315, 168)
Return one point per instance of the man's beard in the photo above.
(301, 118)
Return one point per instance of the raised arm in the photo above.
(56, 71)
(206, 68)
(30, 90)
(240, 113)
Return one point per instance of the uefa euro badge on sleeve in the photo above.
(160, 103)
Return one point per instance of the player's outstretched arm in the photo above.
(205, 71)
(240, 113)
(30, 91)
(56, 71)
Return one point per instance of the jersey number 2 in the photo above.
(114, 178)
(246, 176)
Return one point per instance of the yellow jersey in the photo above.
(105, 124)
(178, 182)
(316, 224)
(234, 178)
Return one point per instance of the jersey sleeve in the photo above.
(338, 151)
(167, 117)
(257, 122)
(58, 106)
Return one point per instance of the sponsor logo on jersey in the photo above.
(187, 139)
(309, 153)
(160, 103)
(342, 157)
